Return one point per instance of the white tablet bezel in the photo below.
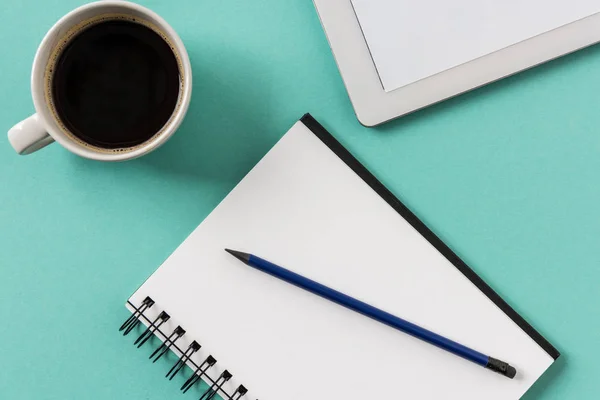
(373, 105)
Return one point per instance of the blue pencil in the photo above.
(372, 312)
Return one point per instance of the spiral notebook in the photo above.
(311, 207)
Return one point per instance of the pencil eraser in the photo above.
(501, 367)
(510, 372)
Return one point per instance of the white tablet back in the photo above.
(430, 50)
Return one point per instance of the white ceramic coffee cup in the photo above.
(42, 128)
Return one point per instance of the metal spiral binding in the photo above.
(169, 342)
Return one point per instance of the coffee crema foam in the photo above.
(66, 40)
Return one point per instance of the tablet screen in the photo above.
(412, 40)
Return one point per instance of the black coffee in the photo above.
(116, 84)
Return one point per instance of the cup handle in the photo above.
(29, 136)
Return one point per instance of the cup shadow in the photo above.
(222, 134)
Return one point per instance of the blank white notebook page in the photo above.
(303, 208)
(412, 40)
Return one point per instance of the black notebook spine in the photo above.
(169, 342)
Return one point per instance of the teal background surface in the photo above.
(507, 175)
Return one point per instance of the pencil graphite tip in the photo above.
(243, 257)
